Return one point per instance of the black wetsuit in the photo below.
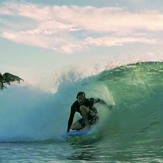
(92, 115)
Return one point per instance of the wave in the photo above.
(135, 90)
(138, 92)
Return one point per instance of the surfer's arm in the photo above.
(98, 100)
(71, 118)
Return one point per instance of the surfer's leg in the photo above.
(78, 124)
(84, 111)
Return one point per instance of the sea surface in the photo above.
(33, 121)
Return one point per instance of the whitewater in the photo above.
(32, 120)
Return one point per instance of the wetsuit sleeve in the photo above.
(71, 117)
(98, 100)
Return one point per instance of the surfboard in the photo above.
(75, 134)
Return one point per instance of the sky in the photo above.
(43, 37)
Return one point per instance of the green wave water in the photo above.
(138, 94)
(132, 131)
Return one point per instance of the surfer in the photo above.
(84, 106)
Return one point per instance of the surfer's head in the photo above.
(80, 97)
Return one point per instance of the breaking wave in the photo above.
(135, 90)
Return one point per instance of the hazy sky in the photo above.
(43, 36)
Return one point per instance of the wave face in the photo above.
(136, 90)
(138, 94)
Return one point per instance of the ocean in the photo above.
(32, 121)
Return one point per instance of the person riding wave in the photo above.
(84, 106)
